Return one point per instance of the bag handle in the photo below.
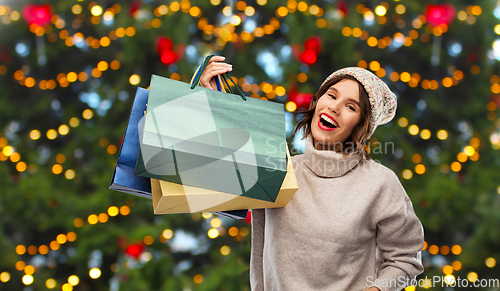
(224, 76)
(200, 72)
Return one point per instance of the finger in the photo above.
(206, 78)
(218, 68)
(217, 72)
(216, 59)
(209, 74)
(218, 65)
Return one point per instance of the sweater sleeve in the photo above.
(400, 239)
(256, 255)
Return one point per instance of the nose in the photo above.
(333, 107)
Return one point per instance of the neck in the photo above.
(338, 147)
(328, 163)
(326, 147)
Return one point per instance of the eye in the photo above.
(351, 108)
(332, 96)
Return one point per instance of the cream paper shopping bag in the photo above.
(171, 197)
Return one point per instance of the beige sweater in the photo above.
(350, 225)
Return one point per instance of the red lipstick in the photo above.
(324, 127)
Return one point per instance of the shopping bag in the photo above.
(124, 179)
(170, 197)
(217, 141)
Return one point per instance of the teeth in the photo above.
(329, 120)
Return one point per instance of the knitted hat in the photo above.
(383, 102)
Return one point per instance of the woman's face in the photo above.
(337, 114)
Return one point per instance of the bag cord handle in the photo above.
(224, 76)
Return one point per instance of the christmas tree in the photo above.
(69, 71)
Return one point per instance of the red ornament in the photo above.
(342, 7)
(163, 44)
(135, 250)
(302, 100)
(308, 57)
(313, 44)
(4, 57)
(15, 178)
(168, 56)
(472, 57)
(496, 99)
(437, 15)
(312, 47)
(134, 7)
(122, 241)
(37, 14)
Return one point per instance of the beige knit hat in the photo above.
(383, 102)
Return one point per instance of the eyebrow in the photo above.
(355, 102)
(334, 90)
(350, 99)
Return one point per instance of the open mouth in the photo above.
(327, 121)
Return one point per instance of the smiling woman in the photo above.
(342, 102)
(351, 225)
(351, 219)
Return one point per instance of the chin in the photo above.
(319, 136)
(326, 138)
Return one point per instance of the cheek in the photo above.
(354, 120)
(317, 110)
(321, 102)
(320, 105)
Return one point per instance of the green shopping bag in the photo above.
(217, 141)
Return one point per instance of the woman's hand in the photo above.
(213, 69)
(373, 289)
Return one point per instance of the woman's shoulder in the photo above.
(378, 172)
(384, 184)
(297, 157)
(296, 160)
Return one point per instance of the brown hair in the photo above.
(360, 132)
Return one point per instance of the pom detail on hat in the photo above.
(382, 100)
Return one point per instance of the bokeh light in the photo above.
(413, 129)
(490, 262)
(4, 277)
(134, 79)
(35, 134)
(50, 283)
(113, 211)
(168, 233)
(213, 233)
(95, 273)
(124, 210)
(96, 10)
(198, 279)
(215, 222)
(29, 270)
(73, 280)
(407, 174)
(27, 279)
(225, 250)
(472, 276)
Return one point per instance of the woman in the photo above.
(351, 225)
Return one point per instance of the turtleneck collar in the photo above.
(328, 163)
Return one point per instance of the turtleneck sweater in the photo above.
(349, 226)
